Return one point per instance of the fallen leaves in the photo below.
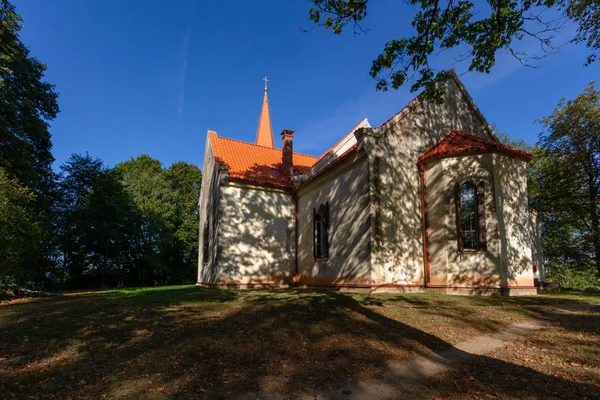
(109, 347)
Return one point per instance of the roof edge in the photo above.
(497, 148)
(328, 167)
(258, 145)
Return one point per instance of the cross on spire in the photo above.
(264, 133)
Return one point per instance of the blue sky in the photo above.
(152, 77)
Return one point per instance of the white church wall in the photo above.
(208, 218)
(537, 255)
(256, 236)
(398, 255)
(449, 266)
(516, 241)
(346, 188)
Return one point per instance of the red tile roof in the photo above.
(460, 143)
(256, 164)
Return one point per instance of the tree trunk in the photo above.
(64, 270)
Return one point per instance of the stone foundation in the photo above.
(484, 291)
(519, 292)
(376, 289)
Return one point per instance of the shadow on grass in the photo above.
(572, 351)
(193, 342)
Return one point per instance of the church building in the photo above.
(428, 200)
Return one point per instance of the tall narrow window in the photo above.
(321, 231)
(469, 226)
(206, 247)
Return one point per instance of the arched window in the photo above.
(470, 214)
(321, 231)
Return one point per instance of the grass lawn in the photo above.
(562, 362)
(191, 342)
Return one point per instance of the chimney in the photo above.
(287, 166)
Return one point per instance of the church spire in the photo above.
(264, 133)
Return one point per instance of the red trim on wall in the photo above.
(234, 284)
(354, 285)
(479, 287)
(363, 285)
(426, 224)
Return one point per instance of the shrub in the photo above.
(574, 276)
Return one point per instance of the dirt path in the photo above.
(402, 377)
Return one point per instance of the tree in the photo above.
(568, 175)
(18, 230)
(27, 104)
(479, 33)
(96, 225)
(134, 224)
(185, 182)
(505, 138)
(78, 179)
(113, 242)
(147, 184)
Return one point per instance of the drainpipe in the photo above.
(296, 272)
(425, 223)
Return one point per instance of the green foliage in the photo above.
(10, 24)
(90, 226)
(566, 175)
(136, 224)
(18, 230)
(167, 218)
(576, 276)
(147, 185)
(478, 30)
(505, 138)
(95, 224)
(587, 14)
(184, 180)
(27, 104)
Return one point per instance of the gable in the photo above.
(337, 152)
(456, 97)
(414, 129)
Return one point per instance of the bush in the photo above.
(574, 276)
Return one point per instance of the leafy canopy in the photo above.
(94, 223)
(27, 104)
(17, 229)
(167, 223)
(567, 176)
(478, 30)
(136, 223)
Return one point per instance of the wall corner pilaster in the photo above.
(369, 140)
